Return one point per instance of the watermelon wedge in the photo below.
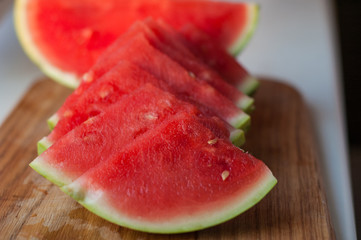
(120, 81)
(121, 123)
(202, 46)
(174, 48)
(66, 37)
(179, 177)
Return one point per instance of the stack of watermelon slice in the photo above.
(150, 138)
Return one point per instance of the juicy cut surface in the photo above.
(82, 30)
(121, 80)
(123, 122)
(180, 170)
(139, 51)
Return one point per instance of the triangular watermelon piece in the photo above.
(121, 123)
(66, 37)
(202, 46)
(111, 88)
(180, 177)
(169, 44)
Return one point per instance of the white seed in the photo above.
(86, 33)
(68, 113)
(151, 116)
(225, 175)
(212, 141)
(88, 77)
(191, 74)
(89, 121)
(104, 93)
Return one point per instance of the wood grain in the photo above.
(281, 135)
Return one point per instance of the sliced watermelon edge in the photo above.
(24, 36)
(247, 33)
(237, 138)
(97, 204)
(43, 144)
(50, 173)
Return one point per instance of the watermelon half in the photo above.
(66, 37)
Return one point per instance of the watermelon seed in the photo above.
(151, 116)
(68, 113)
(88, 77)
(191, 74)
(225, 175)
(86, 33)
(89, 121)
(103, 94)
(212, 141)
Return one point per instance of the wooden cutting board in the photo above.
(281, 135)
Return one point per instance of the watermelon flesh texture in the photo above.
(174, 48)
(139, 51)
(112, 87)
(202, 46)
(84, 29)
(121, 123)
(179, 178)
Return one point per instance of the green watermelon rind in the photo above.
(247, 33)
(43, 144)
(52, 121)
(49, 172)
(67, 79)
(246, 104)
(241, 121)
(249, 85)
(98, 205)
(237, 137)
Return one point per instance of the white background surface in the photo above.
(294, 43)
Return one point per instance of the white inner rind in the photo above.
(21, 26)
(96, 201)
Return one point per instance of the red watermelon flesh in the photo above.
(83, 29)
(175, 49)
(201, 46)
(139, 51)
(121, 123)
(216, 57)
(178, 178)
(110, 88)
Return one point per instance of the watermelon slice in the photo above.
(202, 46)
(179, 177)
(112, 87)
(174, 48)
(122, 123)
(66, 37)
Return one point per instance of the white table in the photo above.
(295, 43)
